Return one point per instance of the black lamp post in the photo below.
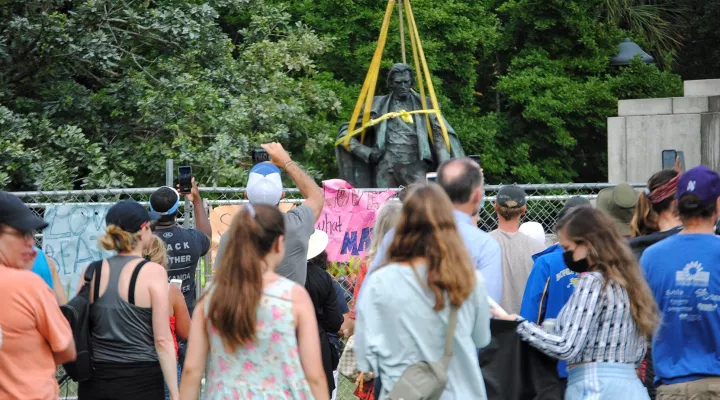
(627, 50)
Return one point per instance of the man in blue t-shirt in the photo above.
(683, 272)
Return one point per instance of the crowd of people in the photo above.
(623, 296)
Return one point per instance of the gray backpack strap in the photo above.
(450, 336)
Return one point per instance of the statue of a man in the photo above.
(395, 152)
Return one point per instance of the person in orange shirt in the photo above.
(34, 335)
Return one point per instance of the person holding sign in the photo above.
(265, 187)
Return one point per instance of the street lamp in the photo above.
(627, 50)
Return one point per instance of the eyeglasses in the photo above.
(20, 235)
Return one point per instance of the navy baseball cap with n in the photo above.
(130, 216)
(702, 182)
(15, 214)
(265, 184)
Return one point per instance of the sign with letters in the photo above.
(71, 239)
(221, 218)
(348, 217)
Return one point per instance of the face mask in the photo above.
(578, 266)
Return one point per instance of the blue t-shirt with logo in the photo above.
(683, 272)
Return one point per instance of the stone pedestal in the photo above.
(646, 127)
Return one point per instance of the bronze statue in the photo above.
(395, 153)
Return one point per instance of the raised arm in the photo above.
(313, 194)
(202, 221)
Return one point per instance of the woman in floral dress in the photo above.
(255, 331)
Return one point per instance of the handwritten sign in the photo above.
(348, 218)
(71, 239)
(221, 217)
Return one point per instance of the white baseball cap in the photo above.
(265, 184)
(317, 244)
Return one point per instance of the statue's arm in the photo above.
(367, 154)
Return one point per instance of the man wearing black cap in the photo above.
(185, 247)
(551, 282)
(517, 248)
(34, 335)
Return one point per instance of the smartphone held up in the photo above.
(185, 179)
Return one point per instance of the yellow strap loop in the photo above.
(431, 88)
(368, 90)
(405, 115)
(367, 93)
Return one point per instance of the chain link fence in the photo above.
(544, 202)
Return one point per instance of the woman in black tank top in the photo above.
(131, 355)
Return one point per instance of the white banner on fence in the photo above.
(71, 239)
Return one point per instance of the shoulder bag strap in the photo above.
(450, 332)
(133, 280)
(94, 269)
(450, 336)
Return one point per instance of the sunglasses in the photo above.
(21, 235)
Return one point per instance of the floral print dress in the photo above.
(268, 369)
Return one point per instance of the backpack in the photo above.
(77, 312)
(426, 380)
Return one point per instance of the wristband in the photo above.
(287, 164)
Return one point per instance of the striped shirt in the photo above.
(595, 325)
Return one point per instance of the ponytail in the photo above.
(645, 220)
(116, 239)
(657, 198)
(238, 281)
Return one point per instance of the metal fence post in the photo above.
(169, 173)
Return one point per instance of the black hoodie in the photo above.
(640, 243)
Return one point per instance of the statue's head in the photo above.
(400, 80)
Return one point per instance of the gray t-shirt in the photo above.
(517, 251)
(299, 226)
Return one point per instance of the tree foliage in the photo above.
(98, 93)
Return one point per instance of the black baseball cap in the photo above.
(511, 196)
(14, 213)
(130, 216)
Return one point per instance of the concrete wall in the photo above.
(646, 127)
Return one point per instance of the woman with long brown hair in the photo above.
(255, 330)
(601, 331)
(403, 312)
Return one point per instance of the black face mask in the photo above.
(578, 266)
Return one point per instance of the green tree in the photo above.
(99, 93)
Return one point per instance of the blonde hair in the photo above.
(387, 219)
(156, 252)
(116, 239)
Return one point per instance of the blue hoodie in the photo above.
(548, 288)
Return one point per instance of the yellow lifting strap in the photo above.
(367, 93)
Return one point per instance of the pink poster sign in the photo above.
(348, 218)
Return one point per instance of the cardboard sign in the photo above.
(348, 218)
(221, 217)
(71, 239)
